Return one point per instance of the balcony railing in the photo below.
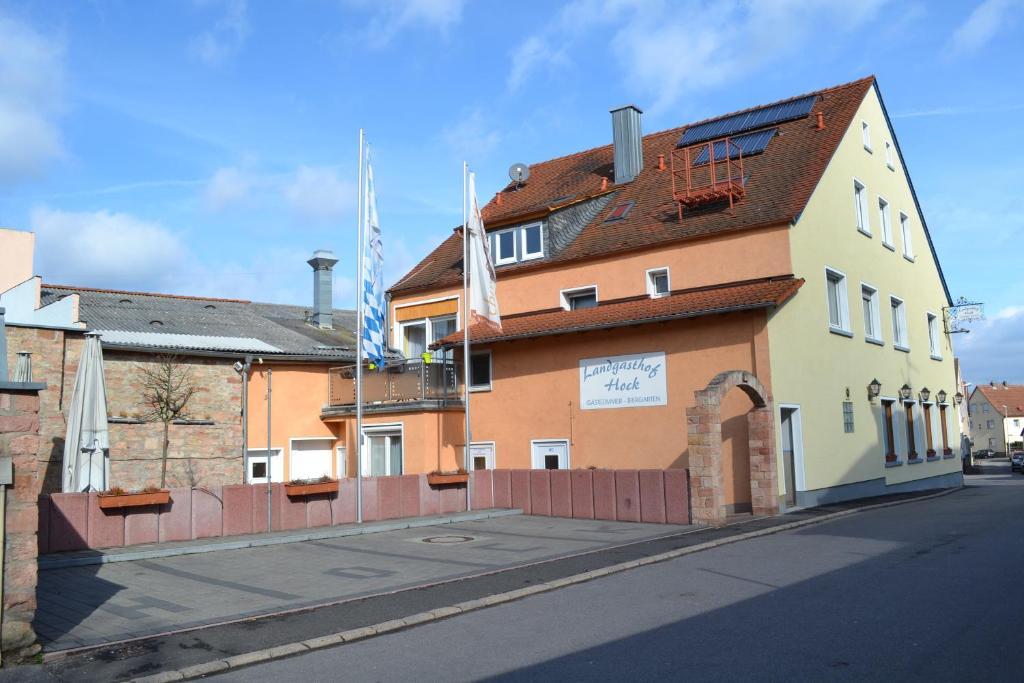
(401, 381)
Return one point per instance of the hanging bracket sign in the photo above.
(633, 381)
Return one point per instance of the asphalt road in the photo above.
(930, 590)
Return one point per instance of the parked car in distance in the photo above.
(1017, 461)
(984, 453)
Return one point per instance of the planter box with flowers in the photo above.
(447, 478)
(116, 498)
(311, 487)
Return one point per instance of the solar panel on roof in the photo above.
(756, 118)
(750, 144)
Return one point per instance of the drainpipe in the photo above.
(246, 367)
(3, 346)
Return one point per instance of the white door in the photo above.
(481, 456)
(256, 466)
(551, 455)
(310, 458)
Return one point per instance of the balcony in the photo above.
(707, 173)
(410, 384)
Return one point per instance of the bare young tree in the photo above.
(167, 387)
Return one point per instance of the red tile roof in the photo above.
(780, 183)
(737, 296)
(1011, 396)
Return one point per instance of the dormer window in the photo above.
(582, 297)
(522, 243)
(658, 282)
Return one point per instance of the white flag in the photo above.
(483, 289)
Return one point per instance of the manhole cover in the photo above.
(448, 539)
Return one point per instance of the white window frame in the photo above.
(843, 302)
(865, 134)
(527, 256)
(387, 429)
(890, 156)
(341, 461)
(897, 417)
(275, 452)
(860, 207)
(908, 243)
(489, 463)
(565, 294)
(650, 275)
(568, 452)
(875, 313)
(498, 259)
(934, 340)
(291, 449)
(428, 329)
(900, 342)
(490, 371)
(396, 327)
(885, 217)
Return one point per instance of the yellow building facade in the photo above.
(872, 308)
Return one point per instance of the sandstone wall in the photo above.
(200, 454)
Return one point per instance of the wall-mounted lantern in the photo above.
(925, 395)
(906, 392)
(941, 395)
(874, 389)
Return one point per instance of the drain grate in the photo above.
(448, 539)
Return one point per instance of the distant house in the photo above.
(208, 335)
(997, 416)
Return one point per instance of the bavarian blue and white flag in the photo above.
(373, 276)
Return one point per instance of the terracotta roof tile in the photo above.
(1011, 396)
(780, 183)
(638, 310)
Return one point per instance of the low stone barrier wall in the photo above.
(654, 496)
(75, 521)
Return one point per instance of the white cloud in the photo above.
(105, 249)
(228, 186)
(227, 35)
(317, 194)
(994, 349)
(31, 84)
(982, 25)
(471, 137)
(532, 54)
(393, 16)
(664, 50)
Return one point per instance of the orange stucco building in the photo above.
(652, 301)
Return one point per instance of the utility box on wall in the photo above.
(6, 471)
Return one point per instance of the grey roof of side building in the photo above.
(208, 321)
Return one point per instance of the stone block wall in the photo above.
(19, 439)
(200, 454)
(203, 455)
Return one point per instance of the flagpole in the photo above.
(359, 337)
(465, 337)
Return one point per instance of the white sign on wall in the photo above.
(632, 381)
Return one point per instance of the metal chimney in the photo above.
(322, 263)
(628, 139)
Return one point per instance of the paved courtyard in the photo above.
(102, 603)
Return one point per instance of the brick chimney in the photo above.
(323, 280)
(628, 139)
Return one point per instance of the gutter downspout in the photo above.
(246, 368)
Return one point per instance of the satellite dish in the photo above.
(519, 172)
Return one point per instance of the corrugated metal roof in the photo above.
(281, 328)
(203, 342)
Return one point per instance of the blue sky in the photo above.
(210, 146)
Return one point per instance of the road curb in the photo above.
(362, 633)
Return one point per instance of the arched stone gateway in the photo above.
(704, 425)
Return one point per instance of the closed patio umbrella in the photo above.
(23, 368)
(87, 443)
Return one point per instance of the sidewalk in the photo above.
(622, 544)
